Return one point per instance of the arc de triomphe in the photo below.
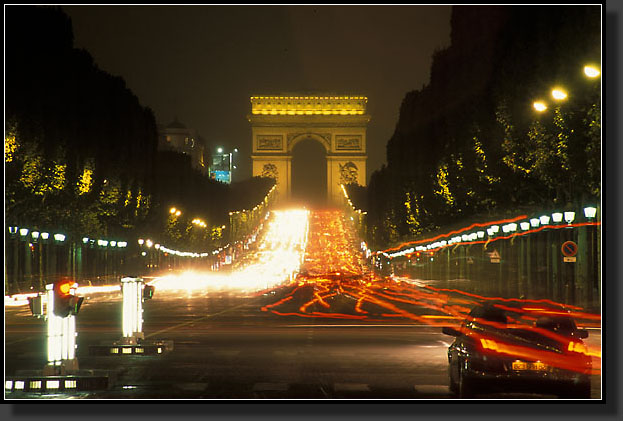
(338, 123)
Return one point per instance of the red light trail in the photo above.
(334, 282)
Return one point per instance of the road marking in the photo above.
(16, 341)
(192, 386)
(225, 352)
(285, 353)
(270, 387)
(388, 325)
(432, 388)
(351, 387)
(192, 321)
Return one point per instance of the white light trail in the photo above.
(280, 254)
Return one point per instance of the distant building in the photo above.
(177, 137)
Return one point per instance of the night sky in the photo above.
(202, 63)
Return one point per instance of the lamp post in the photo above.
(592, 272)
(14, 261)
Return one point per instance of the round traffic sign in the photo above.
(569, 248)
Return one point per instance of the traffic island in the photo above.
(133, 342)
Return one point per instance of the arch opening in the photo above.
(309, 174)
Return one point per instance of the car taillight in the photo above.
(489, 344)
(577, 347)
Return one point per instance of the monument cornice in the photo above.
(308, 120)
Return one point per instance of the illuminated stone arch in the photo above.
(338, 123)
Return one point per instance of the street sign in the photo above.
(569, 249)
(568, 259)
(494, 256)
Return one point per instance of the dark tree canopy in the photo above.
(81, 151)
(469, 143)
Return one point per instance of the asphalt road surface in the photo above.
(226, 347)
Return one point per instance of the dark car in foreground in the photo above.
(502, 348)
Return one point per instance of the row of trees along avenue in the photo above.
(81, 152)
(470, 144)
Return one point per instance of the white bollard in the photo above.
(132, 289)
(61, 333)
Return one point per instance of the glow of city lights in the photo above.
(59, 237)
(590, 212)
(85, 240)
(557, 217)
(280, 253)
(141, 241)
(122, 244)
(591, 71)
(113, 243)
(149, 243)
(219, 150)
(539, 106)
(102, 243)
(178, 213)
(559, 94)
(172, 210)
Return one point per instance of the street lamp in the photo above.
(559, 94)
(591, 71)
(219, 150)
(590, 212)
(569, 217)
(539, 106)
(544, 220)
(557, 217)
(534, 222)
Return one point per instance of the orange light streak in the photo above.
(478, 224)
(487, 241)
